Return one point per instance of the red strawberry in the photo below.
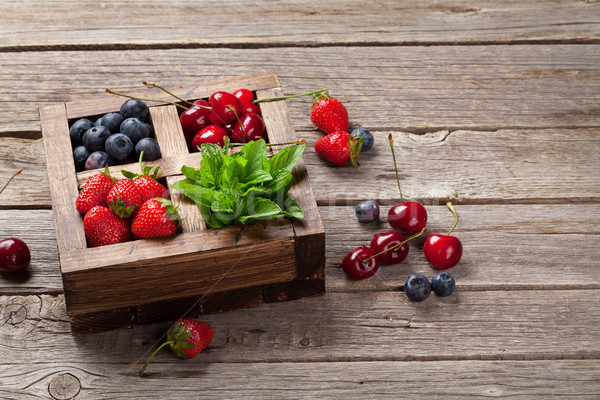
(339, 148)
(329, 114)
(146, 181)
(156, 218)
(94, 192)
(186, 338)
(102, 227)
(124, 198)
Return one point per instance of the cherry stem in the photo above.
(299, 142)
(397, 246)
(142, 99)
(290, 96)
(237, 117)
(451, 207)
(391, 140)
(10, 179)
(153, 84)
(153, 354)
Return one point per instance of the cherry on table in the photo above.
(386, 241)
(408, 217)
(14, 255)
(360, 263)
(444, 251)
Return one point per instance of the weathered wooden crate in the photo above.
(199, 270)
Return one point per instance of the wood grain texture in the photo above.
(301, 23)
(564, 379)
(416, 88)
(349, 327)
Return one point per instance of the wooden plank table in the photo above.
(493, 105)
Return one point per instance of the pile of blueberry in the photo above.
(114, 138)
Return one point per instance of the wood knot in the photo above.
(304, 341)
(64, 386)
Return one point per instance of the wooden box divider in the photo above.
(198, 269)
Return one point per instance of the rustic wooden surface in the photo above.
(493, 105)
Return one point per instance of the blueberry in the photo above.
(95, 137)
(112, 121)
(134, 109)
(98, 159)
(150, 148)
(98, 122)
(150, 129)
(362, 132)
(367, 211)
(443, 284)
(119, 147)
(417, 287)
(135, 129)
(80, 155)
(77, 130)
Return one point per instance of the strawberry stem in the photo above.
(290, 96)
(451, 207)
(169, 342)
(146, 83)
(397, 246)
(10, 179)
(391, 140)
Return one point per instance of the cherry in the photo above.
(443, 251)
(407, 217)
(386, 240)
(356, 266)
(226, 108)
(195, 119)
(250, 127)
(14, 255)
(245, 96)
(211, 134)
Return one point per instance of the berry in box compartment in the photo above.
(199, 269)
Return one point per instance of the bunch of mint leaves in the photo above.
(243, 187)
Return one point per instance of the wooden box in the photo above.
(199, 270)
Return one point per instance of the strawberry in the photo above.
(102, 227)
(329, 114)
(186, 338)
(94, 192)
(157, 217)
(339, 148)
(124, 198)
(146, 181)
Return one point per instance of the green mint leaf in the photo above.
(286, 159)
(190, 173)
(260, 208)
(255, 152)
(291, 208)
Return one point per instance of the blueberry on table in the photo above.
(112, 121)
(80, 155)
(135, 129)
(119, 147)
(417, 287)
(150, 148)
(95, 137)
(367, 211)
(98, 159)
(134, 108)
(369, 140)
(443, 284)
(77, 130)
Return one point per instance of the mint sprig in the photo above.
(242, 187)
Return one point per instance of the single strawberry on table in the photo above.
(157, 217)
(329, 114)
(94, 192)
(186, 338)
(102, 227)
(339, 148)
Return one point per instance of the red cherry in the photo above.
(226, 108)
(252, 108)
(354, 266)
(14, 255)
(195, 118)
(246, 97)
(211, 134)
(442, 251)
(254, 129)
(387, 240)
(408, 217)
